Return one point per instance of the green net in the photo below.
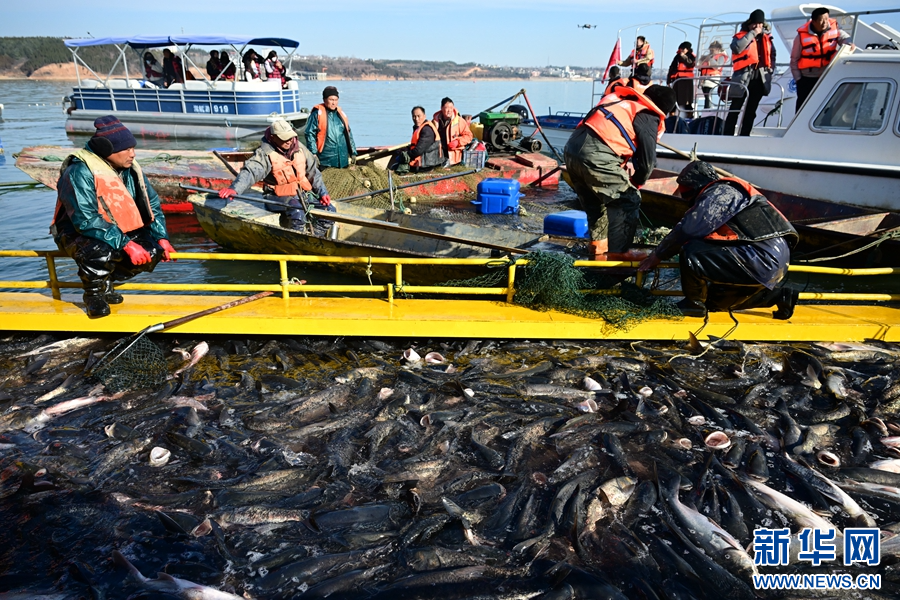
(550, 281)
(141, 366)
(363, 178)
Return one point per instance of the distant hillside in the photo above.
(25, 55)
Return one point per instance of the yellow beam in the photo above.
(369, 317)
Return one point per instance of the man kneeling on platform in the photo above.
(108, 216)
(734, 245)
(287, 169)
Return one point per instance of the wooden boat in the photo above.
(168, 170)
(248, 227)
(826, 229)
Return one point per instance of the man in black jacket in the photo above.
(734, 246)
(425, 151)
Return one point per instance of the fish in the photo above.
(197, 353)
(172, 585)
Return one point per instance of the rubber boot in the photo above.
(691, 308)
(95, 301)
(598, 249)
(786, 303)
(110, 293)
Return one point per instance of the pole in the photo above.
(538, 126)
(722, 172)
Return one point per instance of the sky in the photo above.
(518, 33)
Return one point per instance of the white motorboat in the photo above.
(198, 108)
(841, 147)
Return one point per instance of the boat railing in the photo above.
(286, 285)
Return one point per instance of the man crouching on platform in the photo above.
(108, 216)
(734, 246)
(287, 169)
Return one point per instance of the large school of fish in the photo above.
(345, 468)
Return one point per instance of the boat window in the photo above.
(856, 106)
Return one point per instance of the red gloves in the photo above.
(453, 145)
(167, 249)
(227, 193)
(325, 200)
(136, 253)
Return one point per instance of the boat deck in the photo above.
(449, 318)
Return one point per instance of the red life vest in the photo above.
(323, 126)
(683, 71)
(415, 140)
(288, 174)
(758, 221)
(114, 202)
(613, 120)
(641, 54)
(816, 51)
(712, 66)
(750, 56)
(612, 86)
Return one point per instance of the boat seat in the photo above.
(90, 84)
(196, 85)
(176, 86)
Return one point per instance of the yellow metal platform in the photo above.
(376, 317)
(55, 305)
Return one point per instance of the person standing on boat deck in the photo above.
(814, 47)
(286, 169)
(107, 215)
(681, 78)
(624, 126)
(173, 69)
(711, 65)
(615, 80)
(424, 152)
(640, 55)
(213, 68)
(328, 134)
(734, 246)
(753, 61)
(453, 130)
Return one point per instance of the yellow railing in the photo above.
(286, 287)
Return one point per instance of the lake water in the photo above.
(379, 113)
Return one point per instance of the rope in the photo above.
(369, 270)
(895, 233)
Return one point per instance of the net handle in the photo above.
(168, 324)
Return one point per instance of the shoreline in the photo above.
(473, 79)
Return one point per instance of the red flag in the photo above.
(614, 58)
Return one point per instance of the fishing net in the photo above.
(363, 178)
(141, 365)
(550, 281)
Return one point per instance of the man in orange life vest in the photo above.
(624, 126)
(734, 246)
(286, 169)
(642, 54)
(753, 61)
(108, 216)
(814, 47)
(453, 130)
(424, 152)
(328, 134)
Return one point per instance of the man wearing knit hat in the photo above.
(328, 134)
(753, 61)
(108, 216)
(286, 169)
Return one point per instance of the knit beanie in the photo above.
(330, 91)
(111, 137)
(757, 16)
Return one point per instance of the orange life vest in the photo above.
(758, 221)
(612, 86)
(288, 174)
(456, 129)
(613, 120)
(415, 140)
(641, 54)
(816, 51)
(683, 71)
(323, 126)
(712, 66)
(114, 202)
(637, 85)
(750, 56)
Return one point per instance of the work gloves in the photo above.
(167, 250)
(325, 200)
(137, 254)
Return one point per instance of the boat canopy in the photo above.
(154, 41)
